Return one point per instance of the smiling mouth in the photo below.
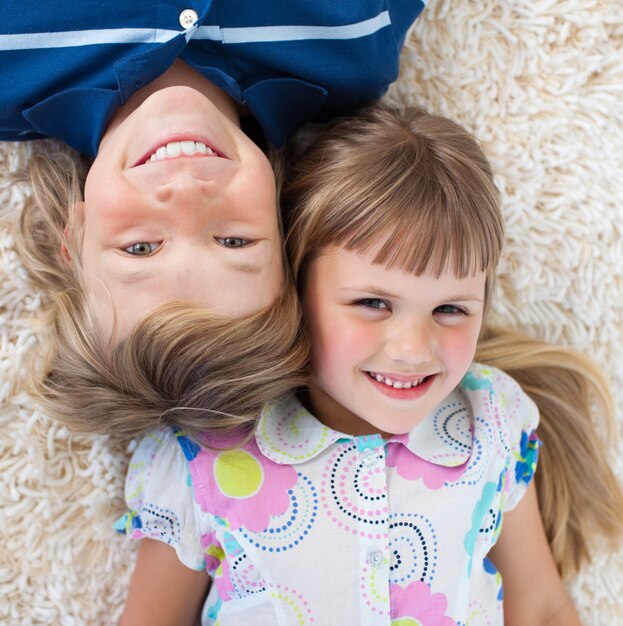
(175, 149)
(397, 384)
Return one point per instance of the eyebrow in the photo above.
(370, 289)
(386, 294)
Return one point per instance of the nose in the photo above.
(410, 342)
(188, 196)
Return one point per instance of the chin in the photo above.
(387, 430)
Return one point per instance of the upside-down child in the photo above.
(174, 200)
(396, 486)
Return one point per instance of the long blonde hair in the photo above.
(578, 492)
(181, 365)
(423, 183)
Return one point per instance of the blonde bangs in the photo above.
(426, 229)
(417, 183)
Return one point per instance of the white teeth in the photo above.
(188, 147)
(175, 148)
(396, 384)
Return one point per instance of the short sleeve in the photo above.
(520, 417)
(160, 500)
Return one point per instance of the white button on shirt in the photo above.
(375, 559)
(188, 17)
(370, 458)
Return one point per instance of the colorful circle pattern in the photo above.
(288, 530)
(451, 424)
(353, 493)
(413, 549)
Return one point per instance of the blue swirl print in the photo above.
(451, 424)
(474, 383)
(244, 576)
(288, 530)
(479, 514)
(413, 549)
(189, 447)
(353, 494)
(527, 457)
(475, 466)
(210, 613)
(159, 522)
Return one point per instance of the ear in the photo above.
(65, 256)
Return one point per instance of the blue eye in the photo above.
(372, 303)
(233, 242)
(450, 309)
(142, 248)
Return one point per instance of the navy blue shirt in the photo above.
(66, 65)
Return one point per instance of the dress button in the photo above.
(188, 18)
(370, 458)
(376, 559)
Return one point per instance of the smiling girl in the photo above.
(396, 486)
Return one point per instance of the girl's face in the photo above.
(196, 222)
(387, 346)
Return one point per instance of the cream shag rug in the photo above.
(540, 82)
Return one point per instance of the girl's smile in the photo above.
(388, 346)
(405, 389)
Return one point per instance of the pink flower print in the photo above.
(241, 486)
(411, 467)
(217, 565)
(417, 606)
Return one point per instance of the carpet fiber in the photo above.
(540, 82)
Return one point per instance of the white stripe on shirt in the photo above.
(74, 38)
(259, 34)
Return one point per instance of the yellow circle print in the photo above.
(238, 474)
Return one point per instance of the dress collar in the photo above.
(289, 434)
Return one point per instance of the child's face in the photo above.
(387, 346)
(202, 228)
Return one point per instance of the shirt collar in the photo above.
(79, 115)
(288, 433)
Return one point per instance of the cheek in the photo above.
(460, 346)
(109, 200)
(258, 183)
(337, 348)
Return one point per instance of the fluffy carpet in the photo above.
(540, 82)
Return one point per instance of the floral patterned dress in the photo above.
(306, 525)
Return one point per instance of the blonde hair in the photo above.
(57, 179)
(399, 176)
(577, 489)
(423, 184)
(181, 365)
